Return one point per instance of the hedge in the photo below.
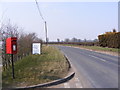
(110, 39)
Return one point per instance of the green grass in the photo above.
(36, 69)
(101, 48)
(95, 48)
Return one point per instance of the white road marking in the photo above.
(98, 58)
(76, 79)
(66, 85)
(78, 85)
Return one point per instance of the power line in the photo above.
(39, 10)
(43, 20)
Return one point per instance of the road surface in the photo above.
(0, 61)
(93, 70)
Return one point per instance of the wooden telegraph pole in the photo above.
(46, 33)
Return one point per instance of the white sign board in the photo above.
(36, 48)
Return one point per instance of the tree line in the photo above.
(108, 39)
(77, 41)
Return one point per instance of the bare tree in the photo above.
(24, 42)
(7, 30)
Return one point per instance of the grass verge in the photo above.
(98, 48)
(37, 69)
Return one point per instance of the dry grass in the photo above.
(36, 69)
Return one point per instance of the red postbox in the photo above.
(11, 45)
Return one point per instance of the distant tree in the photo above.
(114, 30)
(67, 40)
(79, 40)
(85, 40)
(62, 41)
(58, 40)
(74, 39)
(95, 40)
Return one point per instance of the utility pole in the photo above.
(46, 32)
(43, 20)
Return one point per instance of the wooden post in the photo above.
(13, 76)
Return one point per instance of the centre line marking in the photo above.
(97, 58)
(104, 60)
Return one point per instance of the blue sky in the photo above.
(83, 20)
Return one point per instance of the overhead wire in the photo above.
(39, 11)
(42, 19)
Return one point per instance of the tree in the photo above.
(24, 42)
(114, 30)
(74, 39)
(58, 40)
(67, 40)
(95, 40)
(7, 30)
(79, 40)
(85, 40)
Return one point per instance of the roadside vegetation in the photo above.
(24, 42)
(101, 48)
(37, 69)
(95, 48)
(107, 42)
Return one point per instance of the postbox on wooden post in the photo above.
(11, 48)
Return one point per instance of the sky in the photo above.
(82, 20)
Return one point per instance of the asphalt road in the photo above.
(0, 61)
(93, 70)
